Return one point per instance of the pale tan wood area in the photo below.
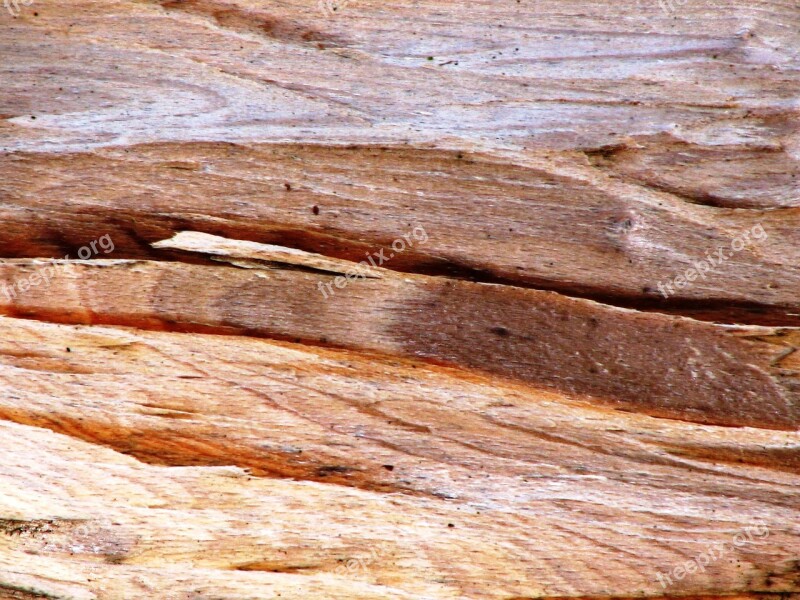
(393, 301)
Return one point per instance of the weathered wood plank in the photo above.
(580, 382)
(534, 221)
(662, 365)
(545, 497)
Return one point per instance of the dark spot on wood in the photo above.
(315, 209)
(389, 467)
(658, 348)
(26, 527)
(333, 470)
(501, 331)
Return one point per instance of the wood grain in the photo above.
(658, 364)
(538, 489)
(209, 391)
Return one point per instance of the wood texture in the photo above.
(697, 371)
(212, 387)
(379, 453)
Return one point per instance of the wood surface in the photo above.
(364, 300)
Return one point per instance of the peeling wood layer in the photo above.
(664, 366)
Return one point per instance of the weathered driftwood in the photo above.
(462, 485)
(554, 223)
(576, 379)
(658, 364)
